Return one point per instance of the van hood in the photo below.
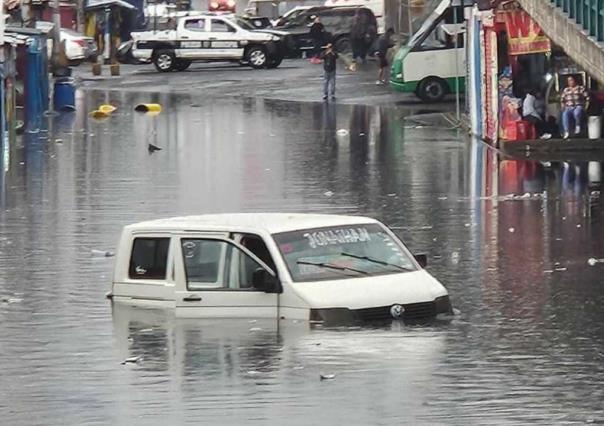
(369, 292)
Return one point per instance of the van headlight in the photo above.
(443, 305)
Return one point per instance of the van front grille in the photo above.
(412, 311)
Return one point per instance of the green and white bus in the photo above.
(432, 64)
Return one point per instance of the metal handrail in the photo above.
(588, 14)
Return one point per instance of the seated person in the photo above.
(573, 101)
(532, 111)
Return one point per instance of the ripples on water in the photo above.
(527, 346)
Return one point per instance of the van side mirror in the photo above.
(263, 280)
(422, 259)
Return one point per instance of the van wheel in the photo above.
(164, 60)
(182, 64)
(256, 57)
(432, 89)
(342, 45)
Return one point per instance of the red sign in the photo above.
(524, 34)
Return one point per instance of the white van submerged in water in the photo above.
(275, 265)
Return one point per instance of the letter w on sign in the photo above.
(524, 34)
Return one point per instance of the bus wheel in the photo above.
(432, 89)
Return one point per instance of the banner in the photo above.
(524, 34)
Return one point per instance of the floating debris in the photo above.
(59, 141)
(327, 376)
(328, 193)
(592, 261)
(560, 269)
(10, 300)
(255, 329)
(342, 132)
(578, 225)
(101, 253)
(132, 360)
(253, 372)
(512, 230)
(152, 148)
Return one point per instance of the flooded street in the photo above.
(526, 347)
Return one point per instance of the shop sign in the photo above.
(524, 34)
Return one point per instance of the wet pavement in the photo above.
(509, 239)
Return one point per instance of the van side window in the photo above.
(256, 245)
(149, 258)
(217, 265)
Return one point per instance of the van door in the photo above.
(216, 279)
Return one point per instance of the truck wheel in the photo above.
(274, 62)
(182, 64)
(164, 60)
(342, 45)
(432, 89)
(256, 57)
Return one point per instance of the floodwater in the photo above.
(526, 347)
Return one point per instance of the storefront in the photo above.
(517, 79)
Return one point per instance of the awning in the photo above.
(103, 4)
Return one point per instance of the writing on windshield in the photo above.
(342, 252)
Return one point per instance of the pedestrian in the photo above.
(357, 37)
(317, 34)
(384, 43)
(573, 101)
(329, 57)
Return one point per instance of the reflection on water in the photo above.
(510, 239)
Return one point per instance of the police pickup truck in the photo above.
(210, 38)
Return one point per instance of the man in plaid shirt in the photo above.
(574, 99)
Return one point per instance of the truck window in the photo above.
(219, 26)
(149, 258)
(195, 24)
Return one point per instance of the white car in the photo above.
(78, 47)
(279, 265)
(207, 37)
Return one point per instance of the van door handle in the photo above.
(212, 38)
(192, 298)
(184, 37)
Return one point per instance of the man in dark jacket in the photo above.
(329, 57)
(317, 33)
(384, 43)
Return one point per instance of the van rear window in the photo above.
(149, 258)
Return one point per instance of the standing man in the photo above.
(384, 43)
(574, 99)
(317, 33)
(329, 57)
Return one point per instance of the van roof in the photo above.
(248, 222)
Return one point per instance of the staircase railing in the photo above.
(589, 14)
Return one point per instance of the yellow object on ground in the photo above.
(148, 108)
(98, 114)
(106, 108)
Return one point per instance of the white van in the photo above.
(282, 266)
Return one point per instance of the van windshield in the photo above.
(340, 252)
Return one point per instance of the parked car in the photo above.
(283, 266)
(207, 37)
(78, 47)
(336, 19)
